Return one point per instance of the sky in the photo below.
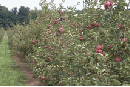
(35, 3)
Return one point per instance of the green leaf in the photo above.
(126, 85)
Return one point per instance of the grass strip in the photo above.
(9, 73)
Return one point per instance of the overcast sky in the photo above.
(35, 3)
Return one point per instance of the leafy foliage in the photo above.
(90, 49)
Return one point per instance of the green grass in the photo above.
(9, 73)
(1, 34)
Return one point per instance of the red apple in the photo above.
(120, 25)
(32, 61)
(50, 59)
(42, 77)
(33, 42)
(69, 73)
(88, 54)
(37, 21)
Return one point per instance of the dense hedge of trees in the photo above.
(13, 17)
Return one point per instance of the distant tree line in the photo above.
(13, 17)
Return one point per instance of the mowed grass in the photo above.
(9, 73)
(1, 34)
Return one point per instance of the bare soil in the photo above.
(22, 65)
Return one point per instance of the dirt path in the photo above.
(30, 81)
(22, 67)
